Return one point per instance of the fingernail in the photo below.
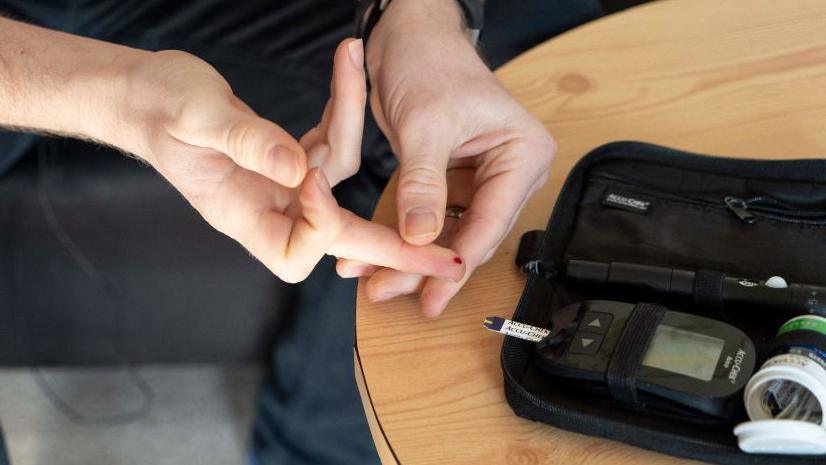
(299, 172)
(420, 222)
(277, 167)
(385, 296)
(355, 271)
(356, 52)
(321, 179)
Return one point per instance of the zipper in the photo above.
(740, 209)
(748, 210)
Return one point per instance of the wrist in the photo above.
(418, 26)
(109, 99)
(60, 83)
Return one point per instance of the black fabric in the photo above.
(162, 299)
(687, 226)
(621, 375)
(528, 245)
(4, 456)
(185, 292)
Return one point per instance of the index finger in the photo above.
(488, 219)
(380, 245)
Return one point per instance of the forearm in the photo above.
(60, 83)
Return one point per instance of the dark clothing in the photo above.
(104, 263)
(4, 457)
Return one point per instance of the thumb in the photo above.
(421, 194)
(252, 142)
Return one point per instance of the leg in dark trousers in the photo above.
(310, 412)
(180, 291)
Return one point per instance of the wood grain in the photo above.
(743, 78)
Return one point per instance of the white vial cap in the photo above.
(781, 437)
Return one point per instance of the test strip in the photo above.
(516, 329)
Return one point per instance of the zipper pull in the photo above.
(740, 209)
(540, 268)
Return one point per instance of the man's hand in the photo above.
(461, 140)
(245, 175)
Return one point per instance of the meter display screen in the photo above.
(684, 352)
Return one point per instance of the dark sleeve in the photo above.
(4, 457)
(13, 145)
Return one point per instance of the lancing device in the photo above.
(773, 294)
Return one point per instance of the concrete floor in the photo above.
(198, 415)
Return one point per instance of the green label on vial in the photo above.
(804, 324)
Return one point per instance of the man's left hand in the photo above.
(461, 139)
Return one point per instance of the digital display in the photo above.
(684, 352)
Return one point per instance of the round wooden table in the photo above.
(737, 77)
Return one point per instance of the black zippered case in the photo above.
(751, 218)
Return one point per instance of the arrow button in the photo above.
(585, 343)
(596, 322)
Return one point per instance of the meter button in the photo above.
(596, 322)
(585, 343)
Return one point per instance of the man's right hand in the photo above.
(249, 178)
(245, 175)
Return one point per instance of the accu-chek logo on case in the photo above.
(626, 202)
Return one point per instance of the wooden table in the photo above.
(734, 77)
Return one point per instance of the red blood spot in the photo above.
(457, 260)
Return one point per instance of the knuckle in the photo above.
(175, 55)
(543, 178)
(553, 146)
(429, 113)
(236, 140)
(550, 147)
(350, 165)
(422, 180)
(293, 272)
(345, 166)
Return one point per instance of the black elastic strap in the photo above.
(708, 291)
(621, 375)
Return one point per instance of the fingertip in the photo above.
(319, 208)
(342, 268)
(285, 165)
(431, 307)
(433, 260)
(315, 187)
(353, 269)
(435, 296)
(355, 50)
(460, 269)
(321, 181)
(376, 293)
(454, 267)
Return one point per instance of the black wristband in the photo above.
(369, 12)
